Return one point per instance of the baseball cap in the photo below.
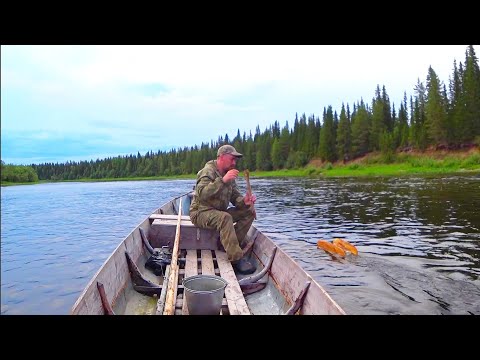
(228, 149)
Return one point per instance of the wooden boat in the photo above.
(123, 285)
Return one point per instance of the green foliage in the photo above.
(421, 162)
(290, 164)
(311, 170)
(388, 158)
(387, 147)
(344, 137)
(327, 166)
(403, 158)
(301, 159)
(378, 122)
(449, 162)
(18, 173)
(435, 111)
(360, 131)
(470, 161)
(327, 149)
(297, 160)
(277, 160)
(372, 159)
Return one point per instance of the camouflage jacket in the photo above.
(212, 193)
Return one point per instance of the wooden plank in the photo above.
(172, 222)
(168, 217)
(235, 299)
(191, 269)
(173, 278)
(208, 268)
(207, 263)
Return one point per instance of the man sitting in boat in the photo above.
(214, 191)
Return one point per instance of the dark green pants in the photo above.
(232, 236)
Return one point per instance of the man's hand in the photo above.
(230, 175)
(249, 199)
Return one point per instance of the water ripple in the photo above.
(418, 238)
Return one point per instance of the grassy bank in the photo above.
(429, 163)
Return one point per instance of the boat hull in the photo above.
(284, 287)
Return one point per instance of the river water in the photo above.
(418, 238)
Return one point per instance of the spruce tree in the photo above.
(471, 86)
(435, 110)
(344, 136)
(327, 137)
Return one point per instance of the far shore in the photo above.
(369, 166)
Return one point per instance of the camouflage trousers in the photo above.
(232, 224)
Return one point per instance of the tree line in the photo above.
(438, 115)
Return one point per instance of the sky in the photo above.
(73, 103)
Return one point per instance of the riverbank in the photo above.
(402, 164)
(374, 164)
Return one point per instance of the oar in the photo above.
(173, 276)
(249, 190)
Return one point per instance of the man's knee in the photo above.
(217, 220)
(225, 219)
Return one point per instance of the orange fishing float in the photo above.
(345, 245)
(330, 248)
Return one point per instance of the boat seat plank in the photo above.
(191, 269)
(184, 223)
(168, 217)
(235, 299)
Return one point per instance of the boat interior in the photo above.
(199, 252)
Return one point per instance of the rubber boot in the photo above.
(243, 266)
